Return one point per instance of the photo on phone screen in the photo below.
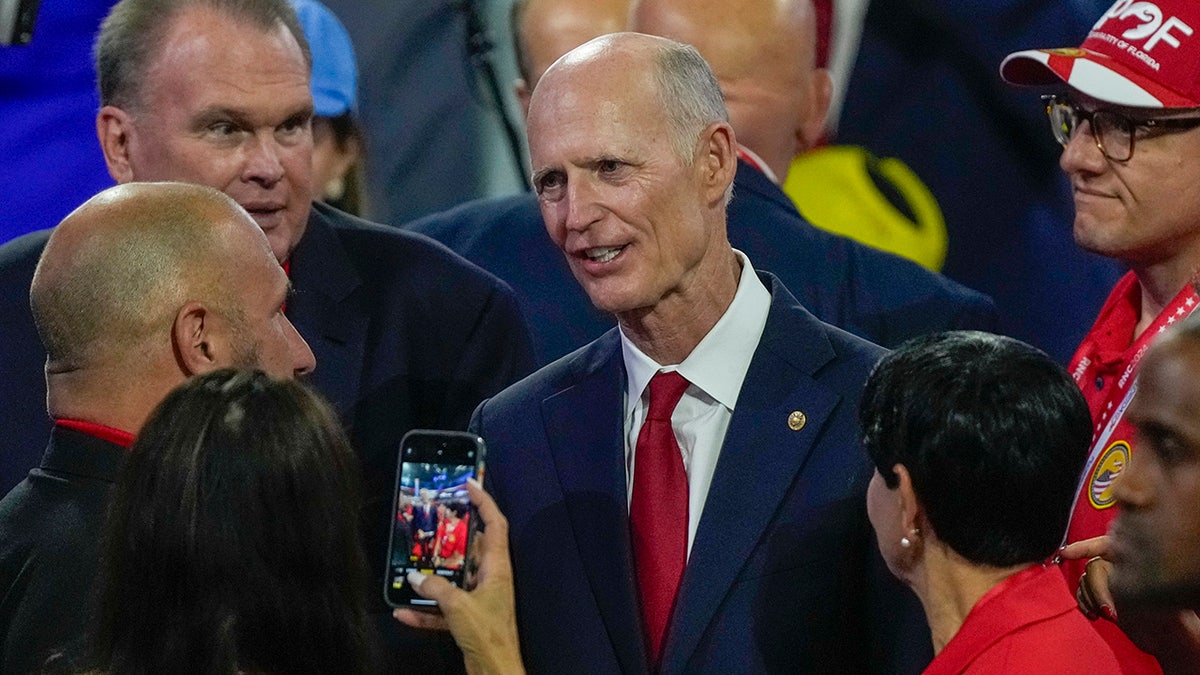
(432, 517)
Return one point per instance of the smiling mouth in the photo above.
(603, 254)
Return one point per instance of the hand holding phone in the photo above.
(432, 521)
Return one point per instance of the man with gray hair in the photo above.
(715, 385)
(872, 294)
(140, 288)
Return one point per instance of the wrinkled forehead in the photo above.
(586, 117)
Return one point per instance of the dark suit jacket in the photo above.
(784, 574)
(872, 294)
(50, 528)
(407, 335)
(22, 363)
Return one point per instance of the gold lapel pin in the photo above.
(797, 420)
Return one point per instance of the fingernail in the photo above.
(1108, 613)
(416, 579)
(474, 482)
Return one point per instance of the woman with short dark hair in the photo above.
(978, 441)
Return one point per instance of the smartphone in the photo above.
(433, 523)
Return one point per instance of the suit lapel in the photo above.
(589, 458)
(324, 278)
(778, 382)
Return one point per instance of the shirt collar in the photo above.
(719, 363)
(101, 431)
(752, 158)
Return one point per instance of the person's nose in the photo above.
(1132, 487)
(303, 360)
(262, 163)
(1082, 154)
(580, 205)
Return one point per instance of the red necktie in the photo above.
(658, 511)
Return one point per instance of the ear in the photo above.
(113, 129)
(910, 509)
(198, 339)
(522, 90)
(812, 130)
(717, 161)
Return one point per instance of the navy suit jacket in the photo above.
(407, 335)
(875, 295)
(784, 574)
(22, 363)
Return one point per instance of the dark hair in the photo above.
(346, 132)
(994, 435)
(132, 34)
(232, 538)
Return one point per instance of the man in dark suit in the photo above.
(626, 469)
(875, 295)
(140, 288)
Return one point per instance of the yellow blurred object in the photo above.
(879, 202)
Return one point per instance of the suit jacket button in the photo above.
(797, 420)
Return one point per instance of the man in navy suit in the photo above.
(875, 295)
(406, 333)
(626, 468)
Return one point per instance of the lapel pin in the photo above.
(797, 420)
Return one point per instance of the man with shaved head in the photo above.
(717, 384)
(777, 100)
(544, 30)
(142, 287)
(764, 55)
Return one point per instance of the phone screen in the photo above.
(432, 517)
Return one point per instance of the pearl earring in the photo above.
(905, 542)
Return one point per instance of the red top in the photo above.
(454, 541)
(104, 433)
(1026, 624)
(1105, 368)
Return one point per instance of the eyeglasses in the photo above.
(1114, 133)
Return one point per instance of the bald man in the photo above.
(717, 380)
(544, 30)
(872, 294)
(142, 287)
(764, 55)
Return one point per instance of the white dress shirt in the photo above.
(715, 369)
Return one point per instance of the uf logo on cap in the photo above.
(1153, 26)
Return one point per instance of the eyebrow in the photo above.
(221, 114)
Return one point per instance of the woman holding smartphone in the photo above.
(232, 545)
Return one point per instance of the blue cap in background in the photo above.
(334, 70)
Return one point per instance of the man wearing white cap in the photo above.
(1129, 122)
